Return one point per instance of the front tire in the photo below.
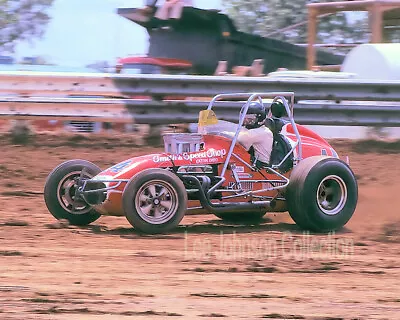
(155, 201)
(322, 194)
(60, 192)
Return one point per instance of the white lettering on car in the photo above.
(239, 169)
(208, 156)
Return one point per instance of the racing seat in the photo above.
(280, 146)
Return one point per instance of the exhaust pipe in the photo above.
(259, 206)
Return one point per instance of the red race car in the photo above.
(217, 172)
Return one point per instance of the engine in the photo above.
(178, 143)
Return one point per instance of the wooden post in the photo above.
(312, 35)
(376, 23)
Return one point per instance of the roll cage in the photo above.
(287, 98)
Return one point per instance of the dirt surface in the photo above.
(204, 269)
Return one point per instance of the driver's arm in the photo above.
(248, 137)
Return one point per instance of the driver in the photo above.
(258, 135)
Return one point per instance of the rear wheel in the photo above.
(154, 201)
(241, 217)
(60, 192)
(322, 194)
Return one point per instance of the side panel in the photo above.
(123, 170)
(240, 163)
(213, 152)
(312, 143)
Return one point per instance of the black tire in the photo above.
(58, 199)
(322, 194)
(139, 197)
(241, 217)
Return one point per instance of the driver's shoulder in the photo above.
(261, 130)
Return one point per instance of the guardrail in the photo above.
(63, 84)
(166, 112)
(90, 109)
(44, 95)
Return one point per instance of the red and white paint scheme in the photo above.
(211, 171)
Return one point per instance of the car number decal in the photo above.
(120, 166)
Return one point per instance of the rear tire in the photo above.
(59, 192)
(155, 201)
(322, 194)
(241, 217)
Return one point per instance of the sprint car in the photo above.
(209, 170)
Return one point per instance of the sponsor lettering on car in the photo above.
(209, 156)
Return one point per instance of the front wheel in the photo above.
(154, 201)
(60, 192)
(322, 194)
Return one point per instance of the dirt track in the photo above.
(204, 269)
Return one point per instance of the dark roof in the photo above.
(191, 15)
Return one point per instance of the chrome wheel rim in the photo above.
(156, 202)
(332, 195)
(66, 194)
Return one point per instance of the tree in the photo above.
(22, 20)
(268, 17)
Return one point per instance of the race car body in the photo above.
(212, 171)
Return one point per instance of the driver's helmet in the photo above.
(255, 116)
